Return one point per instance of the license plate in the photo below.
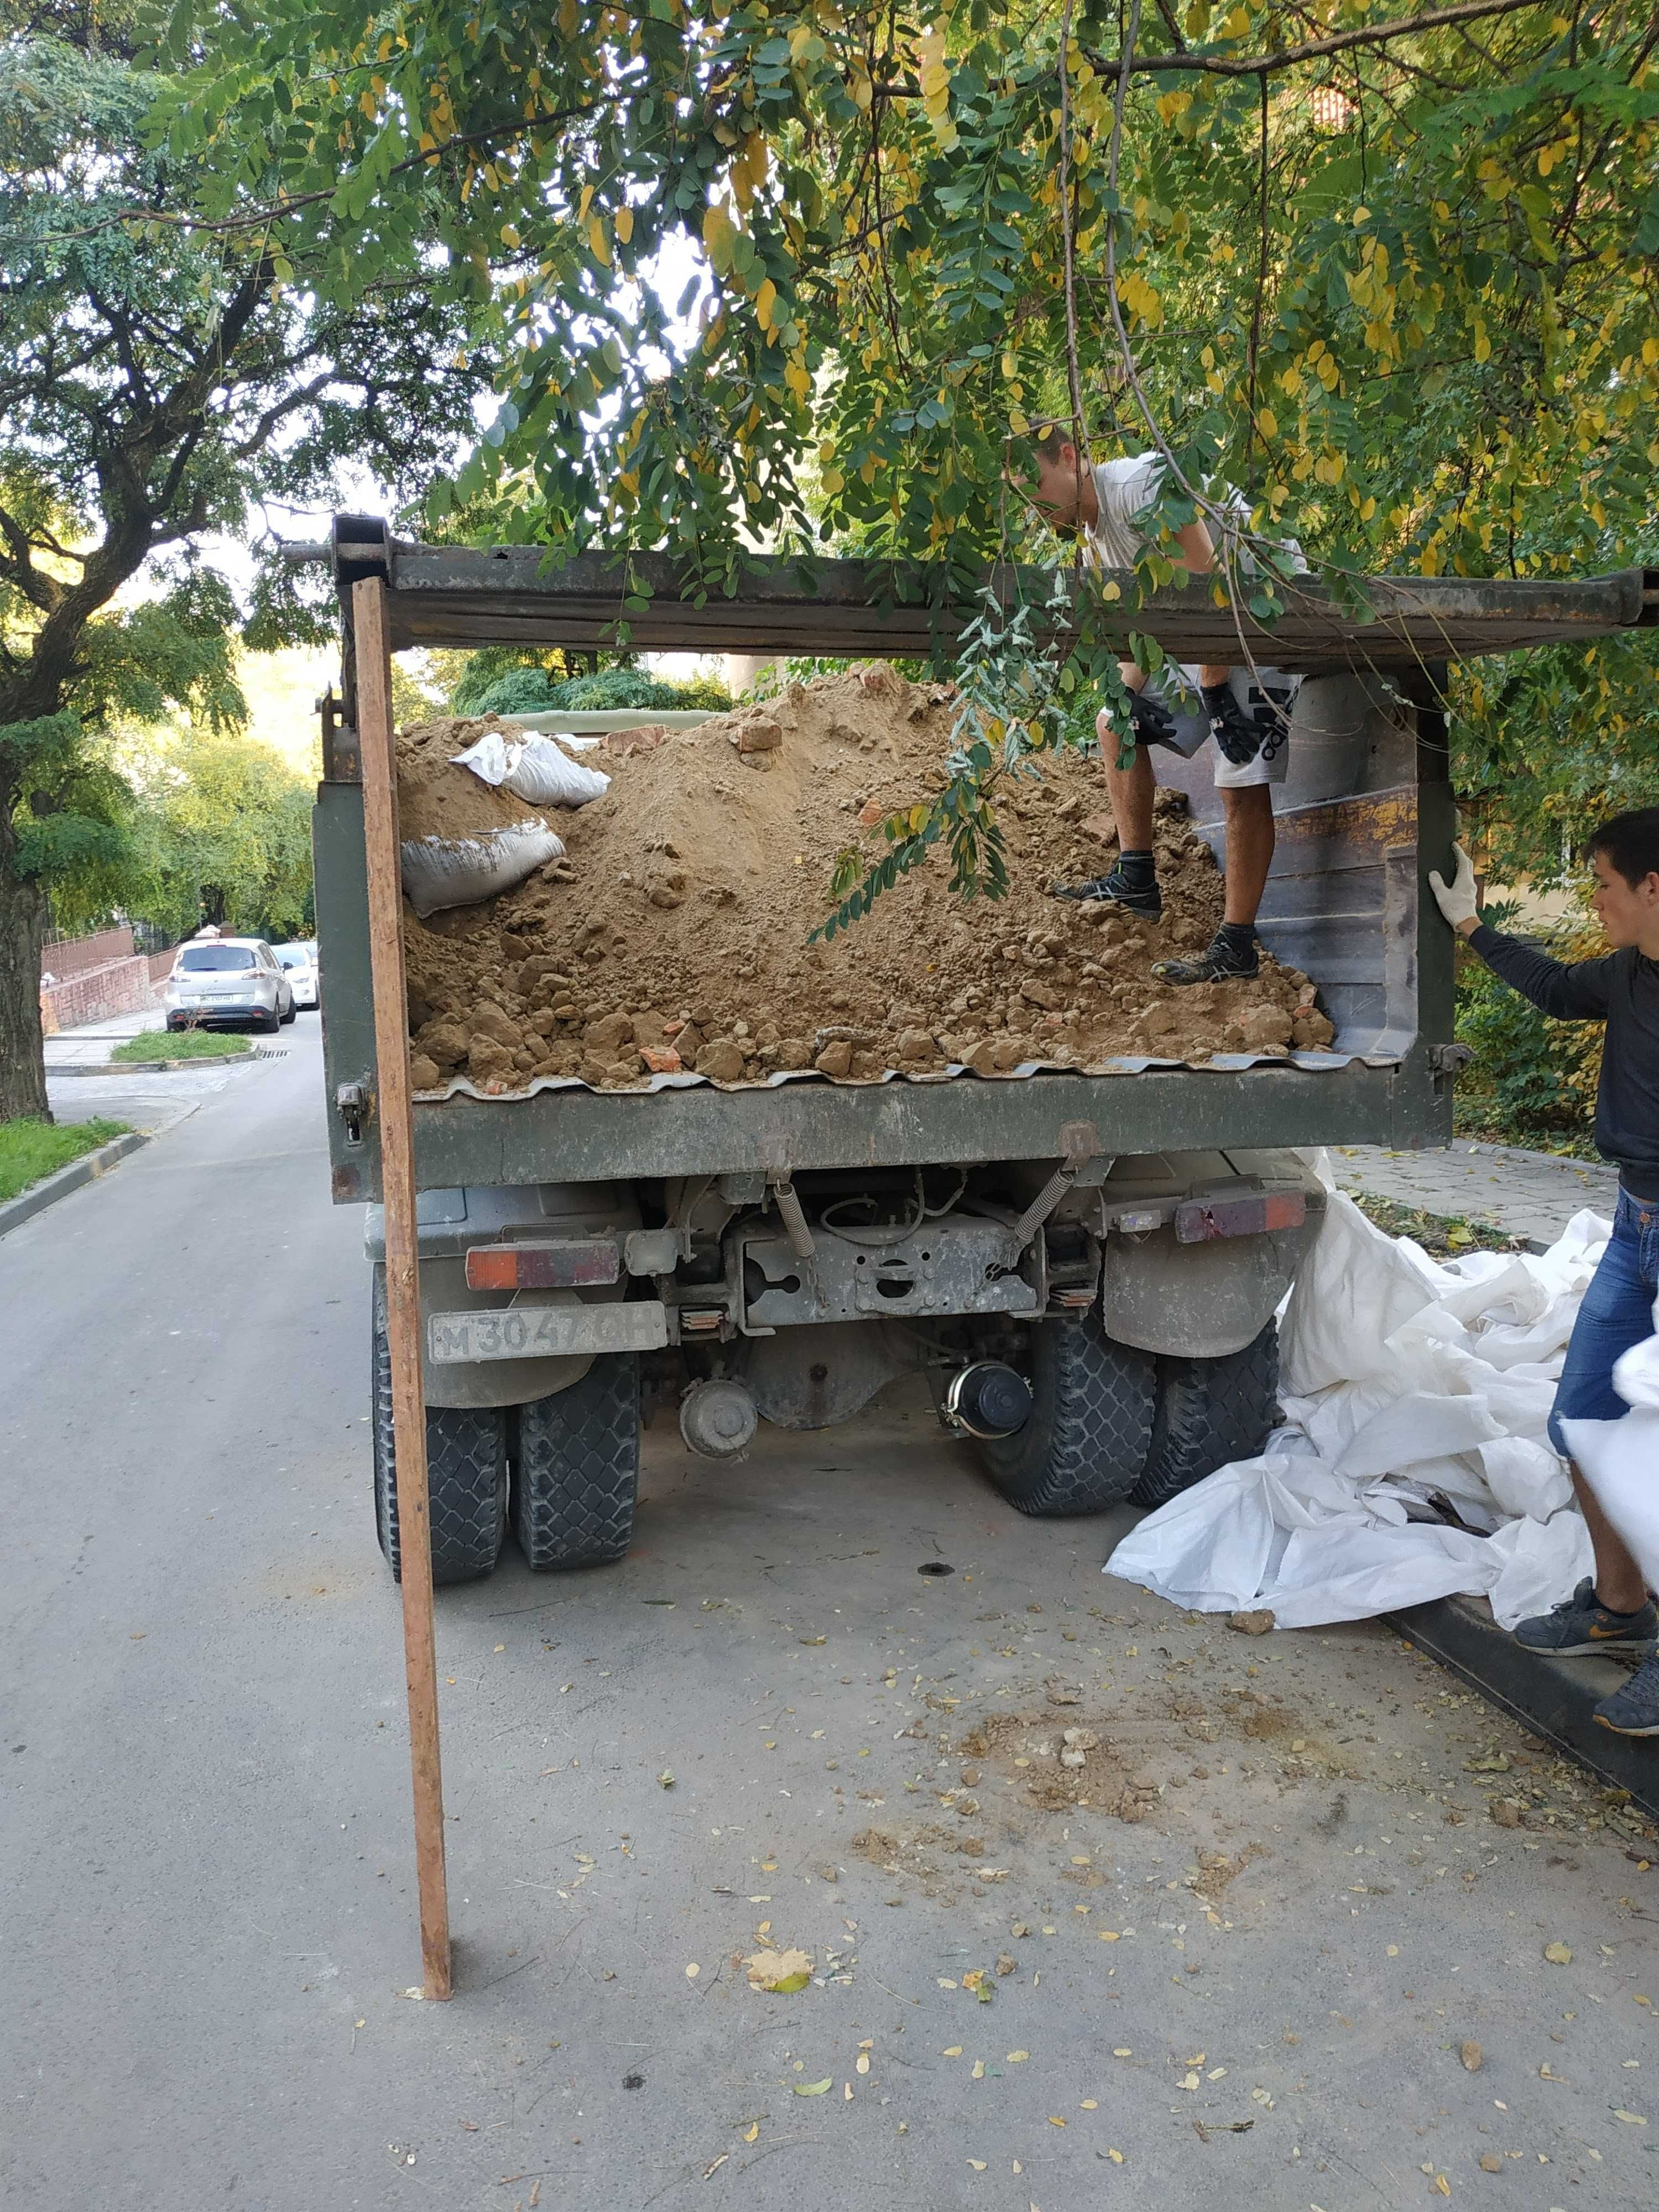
(546, 1332)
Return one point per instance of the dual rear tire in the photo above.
(562, 1471)
(1111, 1424)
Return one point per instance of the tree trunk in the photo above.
(22, 927)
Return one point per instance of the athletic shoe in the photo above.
(1581, 1624)
(1222, 964)
(1633, 1709)
(1115, 890)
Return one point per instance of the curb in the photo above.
(1552, 1697)
(51, 1187)
(153, 1067)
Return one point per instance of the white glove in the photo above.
(1456, 900)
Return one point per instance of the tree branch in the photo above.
(1373, 35)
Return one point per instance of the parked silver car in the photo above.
(227, 979)
(299, 964)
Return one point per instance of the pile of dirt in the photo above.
(676, 934)
(436, 799)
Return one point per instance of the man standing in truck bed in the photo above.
(1246, 711)
(1612, 1610)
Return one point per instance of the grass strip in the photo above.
(181, 1044)
(30, 1149)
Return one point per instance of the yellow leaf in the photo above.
(1558, 1955)
(1116, 2157)
(813, 2088)
(624, 223)
(1017, 2057)
(752, 2131)
(598, 244)
(978, 2165)
(765, 299)
(951, 2051)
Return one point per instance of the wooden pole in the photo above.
(403, 1291)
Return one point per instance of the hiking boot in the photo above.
(1633, 1709)
(1580, 1624)
(1224, 962)
(1115, 890)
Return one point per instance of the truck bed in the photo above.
(1345, 903)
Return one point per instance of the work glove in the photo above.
(1456, 900)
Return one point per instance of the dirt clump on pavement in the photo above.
(676, 935)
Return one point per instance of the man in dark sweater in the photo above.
(1612, 1610)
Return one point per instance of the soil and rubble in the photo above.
(675, 936)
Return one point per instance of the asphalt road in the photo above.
(1246, 1964)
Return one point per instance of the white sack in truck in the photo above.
(443, 871)
(535, 769)
(1619, 1459)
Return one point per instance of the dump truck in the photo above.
(1085, 1268)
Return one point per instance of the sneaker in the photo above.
(1634, 1710)
(1222, 964)
(1581, 1624)
(1116, 890)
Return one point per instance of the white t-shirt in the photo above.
(1124, 488)
(1127, 489)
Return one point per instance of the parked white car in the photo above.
(227, 979)
(299, 964)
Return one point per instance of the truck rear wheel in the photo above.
(1210, 1411)
(579, 1464)
(466, 1477)
(1085, 1443)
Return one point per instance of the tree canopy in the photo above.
(160, 383)
(794, 272)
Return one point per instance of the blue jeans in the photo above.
(1617, 1312)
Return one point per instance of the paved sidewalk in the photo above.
(1533, 1194)
(92, 1042)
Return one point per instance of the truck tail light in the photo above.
(1199, 1219)
(561, 1263)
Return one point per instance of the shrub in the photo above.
(1529, 1073)
(534, 691)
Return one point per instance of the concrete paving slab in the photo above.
(1531, 1193)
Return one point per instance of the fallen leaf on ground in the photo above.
(712, 2166)
(863, 2065)
(1017, 2057)
(1470, 2053)
(666, 1779)
(693, 1971)
(1558, 1955)
(751, 2132)
(813, 2088)
(978, 2165)
(782, 1972)
(951, 2051)
(1630, 2119)
(1491, 2162)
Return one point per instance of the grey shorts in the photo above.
(1267, 696)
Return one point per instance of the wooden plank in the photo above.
(402, 1292)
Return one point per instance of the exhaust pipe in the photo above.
(988, 1401)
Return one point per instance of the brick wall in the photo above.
(119, 986)
(73, 955)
